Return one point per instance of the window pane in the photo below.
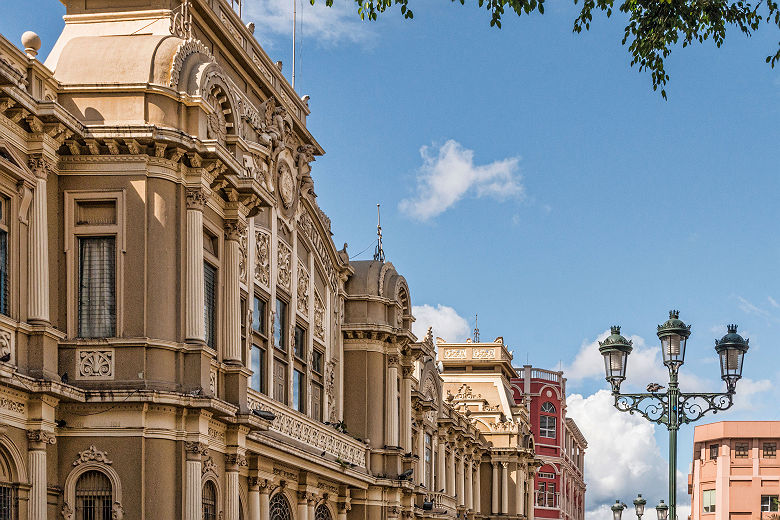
(3, 272)
(258, 315)
(299, 395)
(210, 303)
(280, 325)
(97, 286)
(257, 364)
(300, 343)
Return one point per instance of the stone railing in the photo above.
(442, 502)
(306, 430)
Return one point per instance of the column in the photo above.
(253, 498)
(38, 291)
(441, 469)
(342, 512)
(406, 412)
(194, 320)
(451, 472)
(234, 229)
(232, 464)
(504, 488)
(459, 480)
(265, 502)
(392, 401)
(531, 487)
(477, 483)
(469, 485)
(419, 473)
(37, 442)
(303, 506)
(520, 481)
(312, 502)
(192, 480)
(494, 490)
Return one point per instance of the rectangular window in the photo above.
(713, 451)
(770, 450)
(210, 303)
(97, 287)
(280, 325)
(316, 361)
(257, 365)
(542, 474)
(551, 494)
(428, 460)
(770, 503)
(4, 286)
(280, 381)
(547, 426)
(300, 342)
(708, 500)
(299, 391)
(258, 315)
(316, 401)
(741, 450)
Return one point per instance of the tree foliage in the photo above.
(654, 26)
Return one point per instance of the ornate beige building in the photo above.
(179, 336)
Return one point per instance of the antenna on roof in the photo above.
(379, 253)
(476, 328)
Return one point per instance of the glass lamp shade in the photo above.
(731, 350)
(615, 349)
(617, 510)
(662, 510)
(674, 336)
(639, 505)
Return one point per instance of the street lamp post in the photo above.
(673, 408)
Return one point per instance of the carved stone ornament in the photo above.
(40, 166)
(41, 436)
(216, 125)
(66, 512)
(5, 343)
(96, 363)
(262, 257)
(286, 184)
(117, 511)
(92, 454)
(234, 229)
(196, 199)
(208, 465)
(319, 317)
(242, 256)
(235, 459)
(303, 289)
(196, 447)
(283, 265)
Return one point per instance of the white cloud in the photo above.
(316, 22)
(446, 322)
(749, 308)
(773, 302)
(449, 174)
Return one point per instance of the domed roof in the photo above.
(375, 278)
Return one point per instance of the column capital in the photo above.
(40, 438)
(393, 361)
(195, 450)
(41, 166)
(196, 198)
(234, 461)
(235, 229)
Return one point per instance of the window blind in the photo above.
(97, 287)
(210, 303)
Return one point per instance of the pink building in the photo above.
(560, 484)
(735, 471)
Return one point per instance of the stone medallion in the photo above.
(286, 185)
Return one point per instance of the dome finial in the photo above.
(32, 43)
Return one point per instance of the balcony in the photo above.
(443, 504)
(306, 430)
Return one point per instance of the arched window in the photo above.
(93, 496)
(280, 508)
(322, 513)
(209, 501)
(547, 422)
(8, 494)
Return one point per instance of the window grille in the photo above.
(4, 272)
(210, 303)
(93, 496)
(770, 450)
(209, 501)
(8, 502)
(97, 287)
(322, 513)
(741, 450)
(279, 508)
(548, 407)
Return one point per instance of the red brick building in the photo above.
(560, 484)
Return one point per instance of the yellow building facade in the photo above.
(179, 336)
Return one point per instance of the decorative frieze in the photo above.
(483, 353)
(455, 353)
(284, 267)
(262, 257)
(95, 364)
(92, 454)
(320, 247)
(319, 317)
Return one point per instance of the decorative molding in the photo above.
(320, 247)
(235, 459)
(194, 447)
(234, 229)
(455, 353)
(213, 381)
(319, 317)
(196, 199)
(95, 364)
(303, 289)
(483, 353)
(262, 257)
(92, 454)
(208, 466)
(6, 344)
(41, 436)
(284, 268)
(185, 50)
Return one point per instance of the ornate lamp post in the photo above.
(673, 408)
(639, 506)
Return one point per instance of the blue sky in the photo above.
(530, 175)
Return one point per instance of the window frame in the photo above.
(72, 234)
(705, 507)
(6, 202)
(769, 450)
(714, 450)
(259, 340)
(770, 503)
(741, 450)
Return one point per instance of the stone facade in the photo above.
(179, 336)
